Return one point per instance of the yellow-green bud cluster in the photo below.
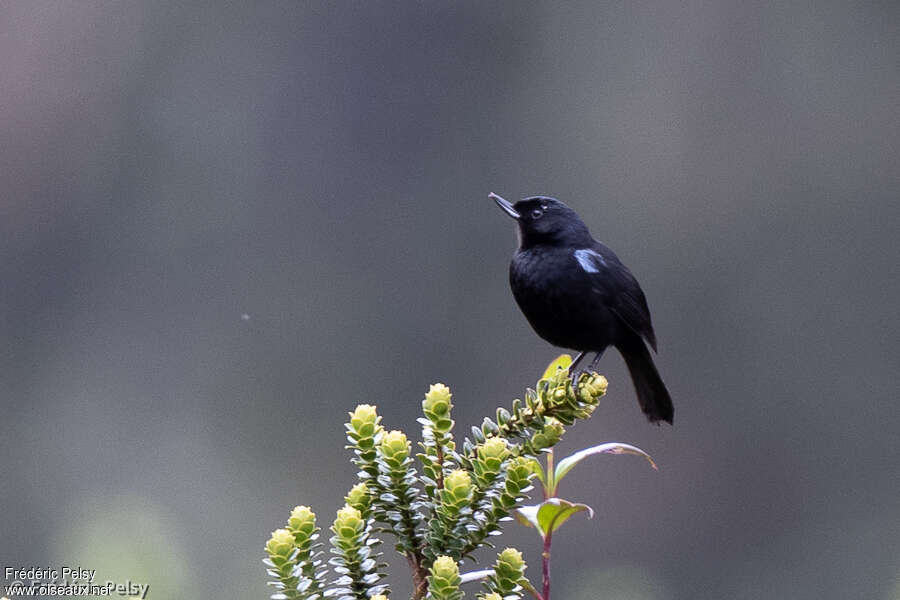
(439, 456)
(491, 596)
(359, 498)
(559, 397)
(444, 580)
(437, 406)
(364, 421)
(282, 563)
(280, 545)
(518, 477)
(347, 526)
(364, 431)
(558, 392)
(549, 436)
(354, 562)
(394, 502)
(538, 422)
(447, 533)
(495, 502)
(488, 461)
(302, 523)
(394, 448)
(591, 387)
(509, 573)
(457, 491)
(291, 556)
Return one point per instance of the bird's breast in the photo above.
(555, 295)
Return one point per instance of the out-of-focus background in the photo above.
(223, 225)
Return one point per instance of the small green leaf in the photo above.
(567, 464)
(550, 514)
(562, 362)
(527, 515)
(556, 511)
(530, 588)
(538, 469)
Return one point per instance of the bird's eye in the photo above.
(537, 213)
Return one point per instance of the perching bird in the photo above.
(577, 294)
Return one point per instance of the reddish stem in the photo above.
(545, 563)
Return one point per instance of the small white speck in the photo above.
(589, 260)
(245, 317)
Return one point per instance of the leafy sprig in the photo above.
(440, 514)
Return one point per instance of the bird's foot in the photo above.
(574, 371)
(575, 375)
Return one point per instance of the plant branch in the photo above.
(530, 589)
(550, 490)
(419, 575)
(545, 566)
(440, 473)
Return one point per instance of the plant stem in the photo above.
(537, 595)
(545, 563)
(550, 490)
(440, 460)
(419, 574)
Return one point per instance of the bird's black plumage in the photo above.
(576, 293)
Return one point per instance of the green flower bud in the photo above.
(358, 497)
(445, 568)
(348, 524)
(444, 581)
(518, 477)
(281, 544)
(458, 483)
(492, 596)
(302, 522)
(364, 420)
(438, 392)
(549, 436)
(395, 446)
(512, 559)
(438, 399)
(521, 468)
(591, 388)
(457, 492)
(495, 448)
(355, 561)
(559, 393)
(509, 571)
(489, 460)
(437, 406)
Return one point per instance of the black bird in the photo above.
(577, 294)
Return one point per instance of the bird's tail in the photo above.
(651, 391)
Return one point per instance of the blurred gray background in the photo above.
(223, 225)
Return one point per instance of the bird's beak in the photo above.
(505, 205)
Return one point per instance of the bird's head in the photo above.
(545, 221)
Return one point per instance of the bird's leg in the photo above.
(573, 368)
(596, 360)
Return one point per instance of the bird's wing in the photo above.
(618, 288)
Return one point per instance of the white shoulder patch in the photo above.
(589, 260)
